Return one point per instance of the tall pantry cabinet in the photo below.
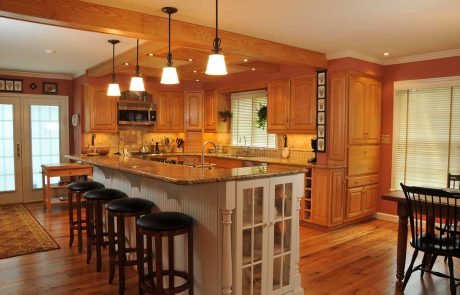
(354, 139)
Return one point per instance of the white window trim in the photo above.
(451, 81)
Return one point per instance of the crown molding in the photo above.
(422, 57)
(35, 74)
(353, 54)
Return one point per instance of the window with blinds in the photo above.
(244, 108)
(426, 145)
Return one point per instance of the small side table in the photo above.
(57, 170)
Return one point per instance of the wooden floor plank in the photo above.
(358, 259)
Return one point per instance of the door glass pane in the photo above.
(247, 207)
(278, 237)
(287, 235)
(286, 269)
(258, 240)
(7, 169)
(247, 246)
(279, 197)
(277, 273)
(45, 140)
(257, 279)
(258, 205)
(288, 200)
(246, 288)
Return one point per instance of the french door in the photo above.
(33, 131)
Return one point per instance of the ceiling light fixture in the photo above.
(126, 64)
(386, 53)
(245, 60)
(50, 51)
(169, 75)
(113, 89)
(150, 54)
(195, 71)
(253, 69)
(216, 62)
(190, 59)
(137, 83)
(198, 80)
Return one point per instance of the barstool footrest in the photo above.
(146, 285)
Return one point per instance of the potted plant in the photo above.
(261, 121)
(226, 115)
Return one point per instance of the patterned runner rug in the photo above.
(20, 233)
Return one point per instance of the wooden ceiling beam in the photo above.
(99, 18)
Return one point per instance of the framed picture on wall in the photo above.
(321, 131)
(321, 91)
(2, 85)
(321, 78)
(321, 145)
(321, 104)
(49, 88)
(17, 85)
(9, 85)
(321, 118)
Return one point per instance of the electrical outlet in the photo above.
(386, 139)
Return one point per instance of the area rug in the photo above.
(20, 233)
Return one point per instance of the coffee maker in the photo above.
(314, 148)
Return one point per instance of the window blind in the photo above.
(426, 144)
(244, 108)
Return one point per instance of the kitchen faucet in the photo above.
(202, 151)
(246, 148)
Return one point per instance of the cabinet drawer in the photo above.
(363, 160)
(362, 180)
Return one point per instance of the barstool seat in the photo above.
(84, 186)
(165, 221)
(158, 226)
(105, 194)
(130, 205)
(77, 189)
(121, 209)
(95, 199)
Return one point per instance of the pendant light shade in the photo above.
(137, 83)
(169, 75)
(216, 62)
(113, 89)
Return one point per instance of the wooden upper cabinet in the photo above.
(278, 106)
(170, 111)
(336, 119)
(210, 111)
(100, 110)
(302, 108)
(194, 111)
(364, 111)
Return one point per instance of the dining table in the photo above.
(403, 216)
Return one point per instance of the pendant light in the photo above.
(137, 83)
(169, 75)
(216, 62)
(114, 88)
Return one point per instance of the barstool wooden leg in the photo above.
(111, 227)
(71, 228)
(140, 259)
(190, 260)
(99, 237)
(121, 255)
(171, 260)
(89, 230)
(150, 260)
(159, 264)
(79, 224)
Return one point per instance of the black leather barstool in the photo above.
(77, 189)
(95, 234)
(159, 225)
(121, 209)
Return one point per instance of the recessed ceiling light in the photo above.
(386, 53)
(126, 63)
(198, 80)
(245, 60)
(50, 51)
(195, 71)
(253, 69)
(150, 54)
(190, 59)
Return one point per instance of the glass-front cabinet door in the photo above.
(252, 237)
(281, 258)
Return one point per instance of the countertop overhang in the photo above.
(183, 175)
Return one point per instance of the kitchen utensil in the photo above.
(102, 150)
(144, 149)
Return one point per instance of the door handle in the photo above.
(18, 150)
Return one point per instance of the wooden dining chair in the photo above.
(427, 207)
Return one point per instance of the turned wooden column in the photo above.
(227, 266)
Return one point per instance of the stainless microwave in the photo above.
(136, 113)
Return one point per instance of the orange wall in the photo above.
(409, 71)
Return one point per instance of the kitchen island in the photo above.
(246, 219)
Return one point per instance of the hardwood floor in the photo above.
(358, 259)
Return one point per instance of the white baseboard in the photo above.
(386, 217)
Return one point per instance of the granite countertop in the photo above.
(180, 174)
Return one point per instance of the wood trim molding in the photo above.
(82, 15)
(386, 217)
(35, 74)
